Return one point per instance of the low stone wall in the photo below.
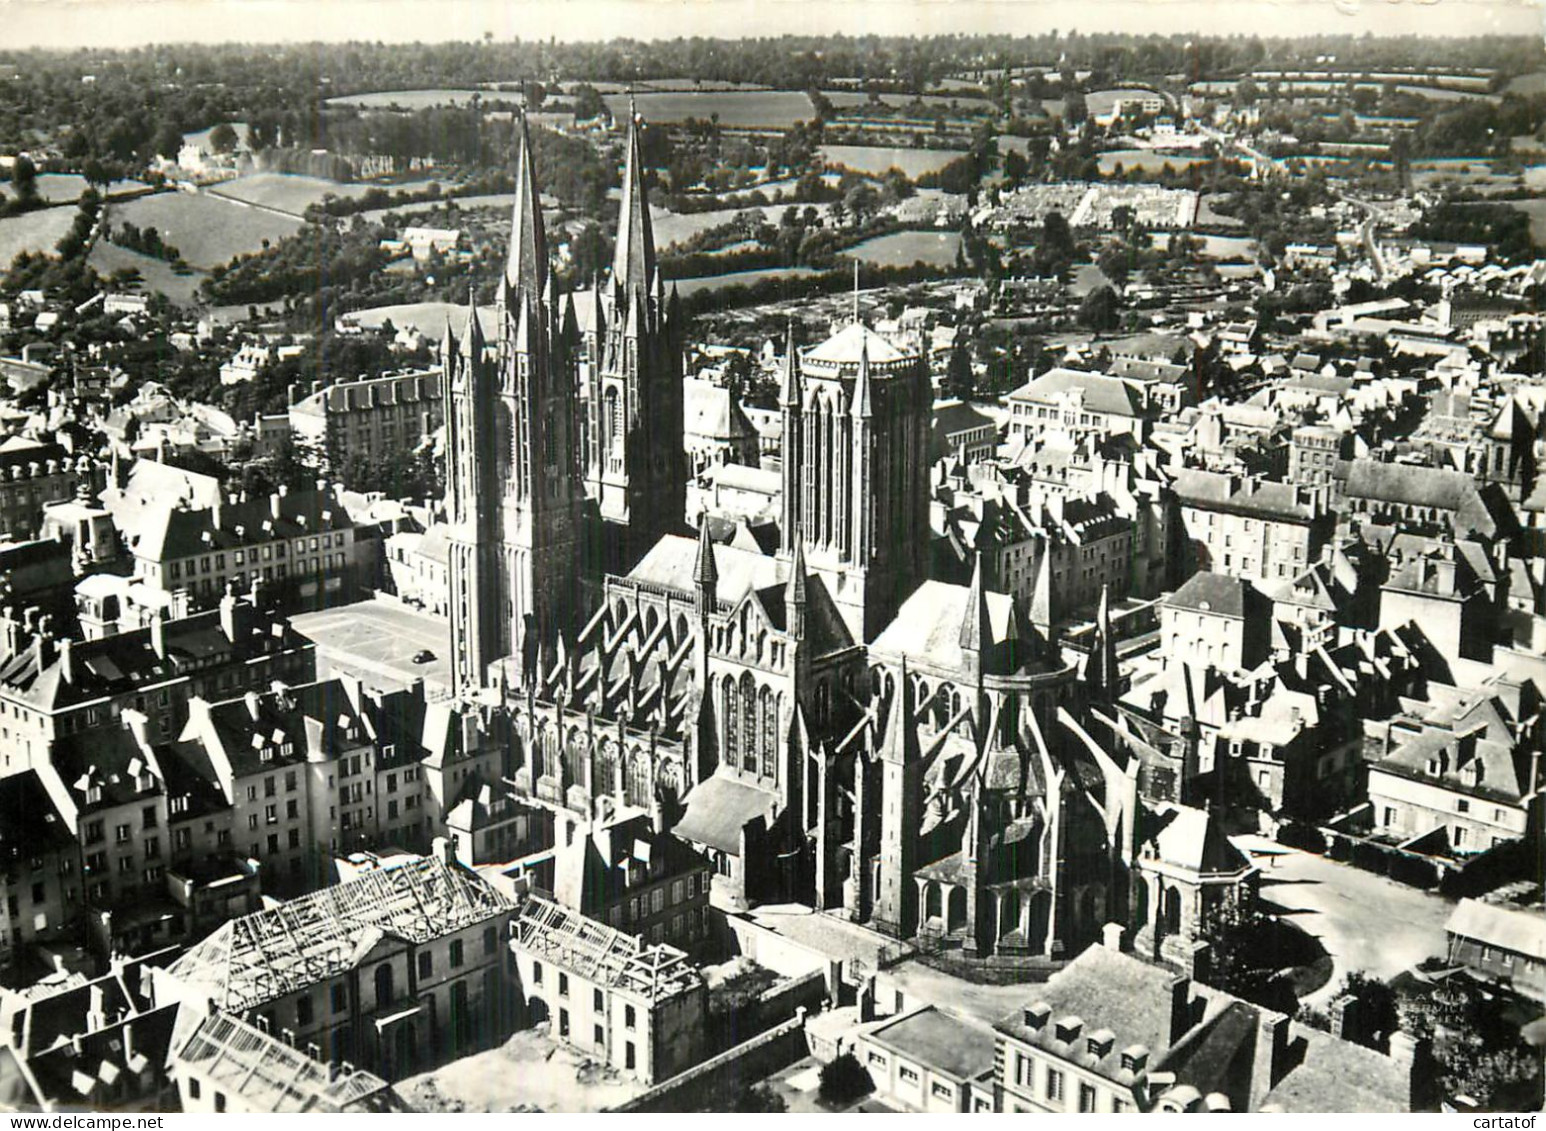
(715, 1084)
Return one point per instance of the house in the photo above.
(229, 1066)
(962, 431)
(1217, 621)
(1111, 1033)
(372, 419)
(930, 1060)
(1251, 528)
(635, 1006)
(1500, 943)
(1465, 778)
(1073, 403)
(397, 970)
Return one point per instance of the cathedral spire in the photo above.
(472, 336)
(1101, 671)
(706, 572)
(795, 591)
(633, 264)
(790, 394)
(1041, 592)
(526, 269)
(861, 405)
(900, 742)
(976, 630)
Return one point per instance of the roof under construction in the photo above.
(269, 1075)
(276, 951)
(597, 953)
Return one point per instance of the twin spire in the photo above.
(526, 269)
(633, 265)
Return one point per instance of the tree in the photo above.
(169, 139)
(760, 1099)
(24, 178)
(223, 139)
(960, 381)
(1100, 310)
(844, 1080)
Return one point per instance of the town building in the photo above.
(373, 419)
(637, 1007)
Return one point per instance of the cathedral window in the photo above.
(732, 718)
(748, 723)
(769, 709)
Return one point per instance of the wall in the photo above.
(778, 953)
(715, 1084)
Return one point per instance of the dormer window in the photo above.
(1068, 1029)
(1135, 1058)
(1099, 1043)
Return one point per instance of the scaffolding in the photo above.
(270, 953)
(270, 1076)
(598, 953)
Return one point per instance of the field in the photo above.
(503, 201)
(1228, 247)
(1536, 210)
(157, 274)
(419, 99)
(770, 109)
(428, 318)
(33, 231)
(879, 159)
(207, 230)
(1145, 159)
(65, 188)
(1533, 83)
(671, 228)
(903, 249)
(741, 278)
(293, 193)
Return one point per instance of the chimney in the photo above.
(1344, 1017)
(67, 660)
(658, 814)
(1404, 1051)
(217, 512)
(1270, 1060)
(158, 633)
(1111, 933)
(1180, 1007)
(96, 1015)
(228, 614)
(274, 507)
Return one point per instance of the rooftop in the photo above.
(273, 952)
(598, 953)
(270, 1076)
(940, 1040)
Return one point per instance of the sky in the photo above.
(127, 23)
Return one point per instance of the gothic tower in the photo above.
(636, 470)
(513, 486)
(856, 413)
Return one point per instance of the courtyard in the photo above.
(529, 1072)
(1366, 922)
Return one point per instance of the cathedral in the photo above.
(827, 723)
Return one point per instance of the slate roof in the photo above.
(30, 825)
(718, 808)
(939, 1040)
(710, 410)
(171, 532)
(1110, 395)
(1507, 928)
(1216, 593)
(927, 628)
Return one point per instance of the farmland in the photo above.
(671, 228)
(157, 275)
(1536, 210)
(879, 159)
(292, 193)
(741, 278)
(33, 231)
(206, 229)
(1145, 159)
(419, 99)
(903, 249)
(768, 109)
(65, 188)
